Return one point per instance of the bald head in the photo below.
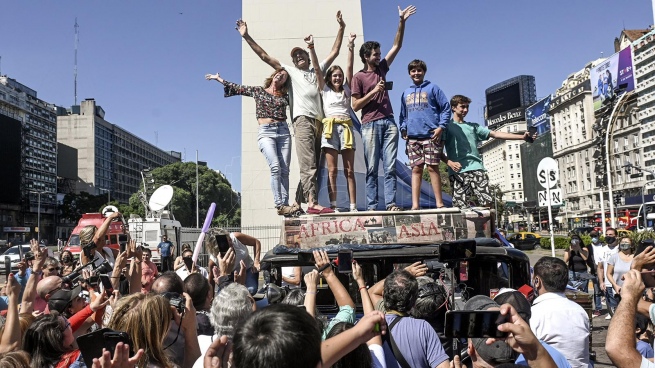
(168, 282)
(47, 286)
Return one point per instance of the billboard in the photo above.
(506, 99)
(537, 115)
(506, 117)
(609, 75)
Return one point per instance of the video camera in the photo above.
(176, 300)
(72, 277)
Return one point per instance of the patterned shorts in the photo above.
(424, 152)
(470, 183)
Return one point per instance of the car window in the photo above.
(529, 236)
(14, 250)
(74, 240)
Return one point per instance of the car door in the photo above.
(531, 240)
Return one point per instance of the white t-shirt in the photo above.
(377, 355)
(184, 273)
(336, 103)
(305, 97)
(599, 252)
(241, 252)
(288, 272)
(606, 256)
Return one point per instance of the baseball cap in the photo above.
(517, 300)
(62, 298)
(498, 352)
(293, 50)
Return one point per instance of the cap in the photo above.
(62, 298)
(517, 300)
(293, 50)
(498, 352)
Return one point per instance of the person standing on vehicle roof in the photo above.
(239, 242)
(166, 253)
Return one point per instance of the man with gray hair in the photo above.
(51, 267)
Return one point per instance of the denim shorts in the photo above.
(337, 141)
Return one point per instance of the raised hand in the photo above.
(242, 27)
(240, 275)
(216, 77)
(407, 12)
(226, 262)
(218, 354)
(342, 24)
(309, 40)
(352, 37)
(358, 275)
(521, 338)
(417, 269)
(321, 259)
(311, 279)
(121, 358)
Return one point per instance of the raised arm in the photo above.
(11, 337)
(351, 58)
(311, 279)
(337, 43)
(242, 27)
(320, 78)
(620, 342)
(338, 290)
(511, 136)
(367, 304)
(40, 255)
(253, 242)
(216, 77)
(404, 14)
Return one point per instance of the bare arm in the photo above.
(242, 27)
(610, 278)
(567, 255)
(11, 337)
(336, 347)
(27, 306)
(253, 242)
(367, 304)
(509, 136)
(351, 58)
(360, 102)
(310, 294)
(620, 342)
(217, 77)
(398, 41)
(295, 279)
(337, 44)
(102, 230)
(338, 290)
(600, 272)
(320, 78)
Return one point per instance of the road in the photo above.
(599, 324)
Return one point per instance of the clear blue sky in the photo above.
(144, 61)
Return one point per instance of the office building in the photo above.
(643, 50)
(110, 158)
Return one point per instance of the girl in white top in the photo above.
(337, 126)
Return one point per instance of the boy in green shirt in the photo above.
(465, 168)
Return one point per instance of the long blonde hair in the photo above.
(146, 318)
(86, 234)
(287, 83)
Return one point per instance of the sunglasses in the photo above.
(54, 269)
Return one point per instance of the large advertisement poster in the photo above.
(376, 229)
(537, 115)
(610, 75)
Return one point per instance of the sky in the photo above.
(144, 61)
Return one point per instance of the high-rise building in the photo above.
(110, 158)
(644, 71)
(29, 162)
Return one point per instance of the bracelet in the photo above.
(310, 46)
(351, 45)
(362, 287)
(311, 292)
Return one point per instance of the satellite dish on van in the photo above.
(161, 198)
(108, 210)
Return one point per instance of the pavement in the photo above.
(599, 325)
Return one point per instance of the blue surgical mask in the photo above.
(594, 240)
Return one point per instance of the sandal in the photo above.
(393, 208)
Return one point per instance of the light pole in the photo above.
(610, 130)
(38, 214)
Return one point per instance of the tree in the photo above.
(75, 205)
(213, 187)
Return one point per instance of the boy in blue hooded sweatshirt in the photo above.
(424, 114)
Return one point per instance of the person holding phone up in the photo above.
(576, 256)
(219, 241)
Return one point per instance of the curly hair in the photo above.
(366, 49)
(400, 291)
(232, 305)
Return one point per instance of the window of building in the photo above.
(510, 157)
(511, 166)
(512, 185)
(511, 176)
(518, 166)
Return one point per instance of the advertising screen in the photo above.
(609, 75)
(503, 100)
(537, 115)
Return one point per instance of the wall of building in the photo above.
(502, 160)
(644, 72)
(278, 28)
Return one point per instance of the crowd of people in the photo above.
(322, 99)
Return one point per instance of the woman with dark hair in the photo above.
(68, 263)
(50, 342)
(337, 126)
(274, 138)
(576, 257)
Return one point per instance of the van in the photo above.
(116, 234)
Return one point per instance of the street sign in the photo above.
(555, 197)
(547, 172)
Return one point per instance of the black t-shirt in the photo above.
(578, 264)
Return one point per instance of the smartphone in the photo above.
(106, 284)
(464, 324)
(345, 258)
(643, 245)
(648, 277)
(188, 262)
(531, 131)
(91, 344)
(388, 85)
(457, 251)
(122, 242)
(223, 244)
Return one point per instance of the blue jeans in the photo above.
(252, 280)
(611, 301)
(274, 142)
(598, 293)
(380, 140)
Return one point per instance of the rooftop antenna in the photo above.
(156, 138)
(77, 40)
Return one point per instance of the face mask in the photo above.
(610, 239)
(575, 242)
(66, 259)
(625, 246)
(594, 240)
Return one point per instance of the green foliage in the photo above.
(75, 205)
(212, 187)
(637, 237)
(560, 242)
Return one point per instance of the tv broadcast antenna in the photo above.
(77, 40)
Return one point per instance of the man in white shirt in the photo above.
(556, 320)
(598, 251)
(183, 272)
(611, 247)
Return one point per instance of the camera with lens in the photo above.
(29, 256)
(176, 300)
(87, 249)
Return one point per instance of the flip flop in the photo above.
(326, 210)
(394, 208)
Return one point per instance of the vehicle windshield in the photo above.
(14, 250)
(74, 240)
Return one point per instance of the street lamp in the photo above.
(610, 130)
(38, 214)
